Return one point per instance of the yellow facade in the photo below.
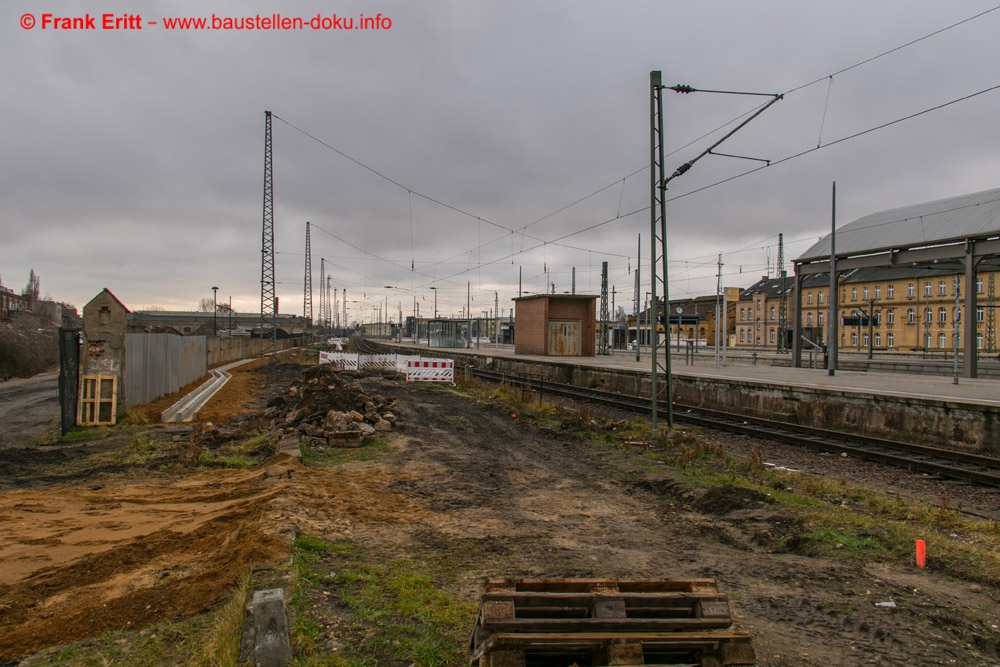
(913, 314)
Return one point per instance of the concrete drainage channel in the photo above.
(185, 409)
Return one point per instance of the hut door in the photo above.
(564, 337)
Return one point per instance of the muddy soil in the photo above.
(490, 495)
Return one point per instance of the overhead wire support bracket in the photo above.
(708, 151)
(740, 157)
(659, 284)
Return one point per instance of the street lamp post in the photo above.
(435, 302)
(215, 311)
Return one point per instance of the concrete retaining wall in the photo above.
(224, 350)
(961, 426)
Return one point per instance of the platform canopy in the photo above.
(929, 232)
(959, 231)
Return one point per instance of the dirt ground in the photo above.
(491, 494)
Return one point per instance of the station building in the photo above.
(556, 324)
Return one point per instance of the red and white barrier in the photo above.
(430, 370)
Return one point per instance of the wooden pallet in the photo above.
(604, 622)
(653, 649)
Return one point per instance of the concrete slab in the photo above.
(272, 645)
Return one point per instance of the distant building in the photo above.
(197, 323)
(11, 302)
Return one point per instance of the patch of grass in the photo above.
(373, 449)
(80, 433)
(397, 612)
(851, 542)
(139, 452)
(236, 454)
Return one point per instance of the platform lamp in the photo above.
(215, 311)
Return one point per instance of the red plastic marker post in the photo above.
(921, 553)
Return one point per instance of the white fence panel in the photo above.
(402, 359)
(385, 362)
(430, 370)
(342, 360)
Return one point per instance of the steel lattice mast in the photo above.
(268, 301)
(329, 302)
(323, 306)
(658, 252)
(602, 345)
(307, 289)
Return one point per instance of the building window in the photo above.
(928, 315)
(809, 297)
(979, 285)
(743, 313)
(909, 291)
(941, 289)
(927, 340)
(890, 340)
(890, 291)
(927, 289)
(843, 295)
(854, 339)
(878, 340)
(942, 315)
(890, 316)
(771, 335)
(942, 340)
(743, 335)
(878, 291)
(819, 319)
(979, 313)
(864, 292)
(819, 297)
(749, 313)
(854, 294)
(772, 312)
(864, 340)
(809, 319)
(911, 316)
(979, 341)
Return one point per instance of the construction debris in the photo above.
(322, 408)
(330, 408)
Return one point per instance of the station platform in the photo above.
(904, 385)
(932, 409)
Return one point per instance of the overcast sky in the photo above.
(133, 159)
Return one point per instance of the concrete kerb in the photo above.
(185, 409)
(272, 644)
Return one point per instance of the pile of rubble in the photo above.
(329, 408)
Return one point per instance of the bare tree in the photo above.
(205, 306)
(33, 289)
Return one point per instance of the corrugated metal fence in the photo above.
(160, 364)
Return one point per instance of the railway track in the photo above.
(945, 463)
